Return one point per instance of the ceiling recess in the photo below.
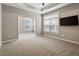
(40, 8)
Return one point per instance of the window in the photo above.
(47, 25)
(51, 24)
(28, 24)
(54, 24)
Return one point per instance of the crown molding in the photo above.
(55, 8)
(24, 7)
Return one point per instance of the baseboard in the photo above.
(70, 41)
(8, 41)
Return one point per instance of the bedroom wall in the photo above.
(10, 21)
(67, 32)
(0, 24)
(70, 32)
(9, 26)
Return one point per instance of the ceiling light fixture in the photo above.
(42, 5)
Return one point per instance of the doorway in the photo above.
(25, 26)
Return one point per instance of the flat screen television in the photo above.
(69, 21)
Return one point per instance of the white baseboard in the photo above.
(8, 40)
(70, 41)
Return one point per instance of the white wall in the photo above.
(20, 24)
(38, 25)
(68, 32)
(10, 21)
(0, 24)
(9, 26)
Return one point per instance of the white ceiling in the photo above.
(37, 7)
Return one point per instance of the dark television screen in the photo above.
(67, 21)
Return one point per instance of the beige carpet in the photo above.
(31, 45)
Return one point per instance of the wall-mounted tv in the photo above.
(69, 21)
